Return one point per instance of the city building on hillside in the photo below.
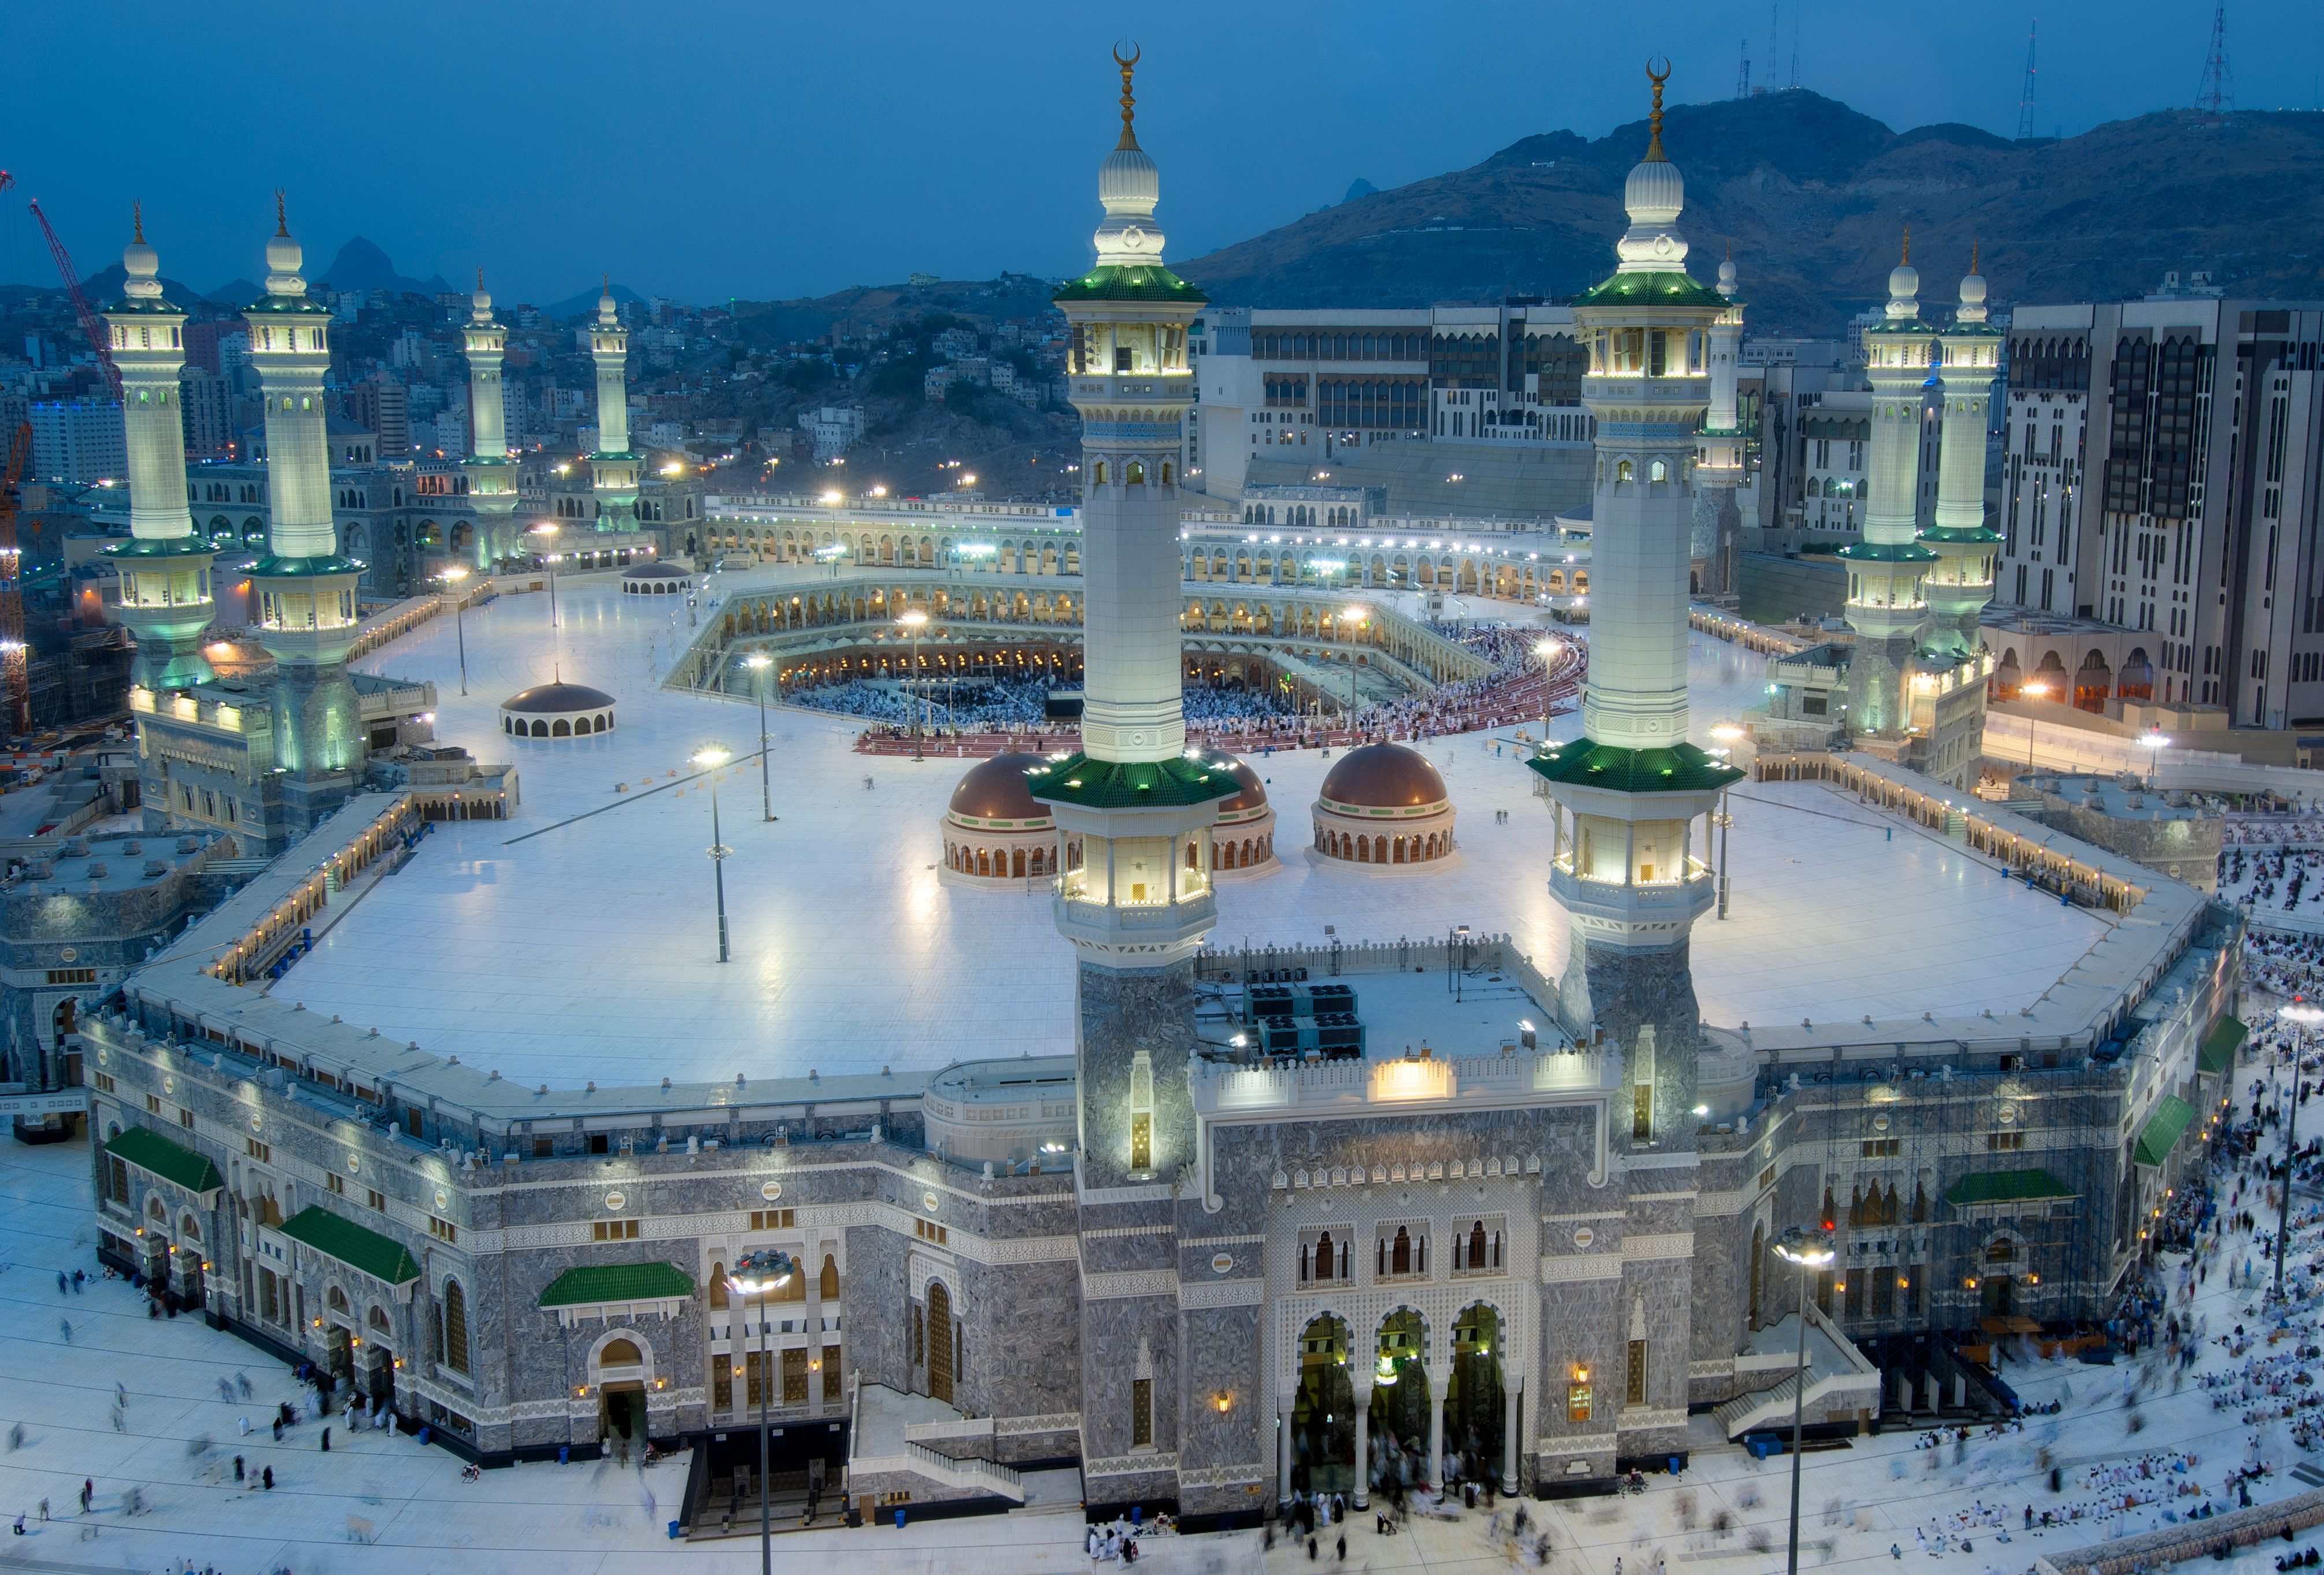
(79, 442)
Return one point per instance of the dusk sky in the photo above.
(717, 149)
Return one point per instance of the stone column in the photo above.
(1362, 1497)
(1435, 1472)
(1513, 1403)
(811, 1268)
(1289, 1398)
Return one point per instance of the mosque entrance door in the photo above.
(622, 1414)
(1400, 1402)
(1323, 1412)
(1475, 1418)
(939, 1342)
(1999, 1295)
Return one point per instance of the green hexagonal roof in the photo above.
(1587, 763)
(1167, 784)
(1644, 289)
(1116, 282)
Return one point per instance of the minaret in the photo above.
(165, 568)
(1960, 582)
(307, 616)
(1719, 468)
(1139, 903)
(1628, 791)
(612, 468)
(492, 475)
(1887, 568)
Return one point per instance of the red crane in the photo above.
(89, 325)
(14, 657)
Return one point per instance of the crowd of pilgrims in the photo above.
(1012, 713)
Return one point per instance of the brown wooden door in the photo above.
(939, 1342)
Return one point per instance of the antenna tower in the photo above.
(1775, 38)
(2217, 97)
(1743, 74)
(2025, 94)
(1795, 46)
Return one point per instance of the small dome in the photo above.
(139, 261)
(1972, 289)
(1654, 192)
(1253, 793)
(551, 698)
(1384, 776)
(1903, 288)
(1128, 182)
(654, 571)
(996, 789)
(1727, 277)
(283, 255)
(481, 303)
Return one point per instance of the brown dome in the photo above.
(996, 789)
(1253, 795)
(1384, 776)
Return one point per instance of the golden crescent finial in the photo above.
(480, 276)
(1972, 253)
(282, 214)
(1129, 98)
(1655, 155)
(1907, 262)
(137, 220)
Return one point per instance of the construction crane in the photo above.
(89, 325)
(14, 659)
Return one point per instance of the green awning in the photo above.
(2160, 1133)
(2005, 1187)
(2220, 1045)
(617, 1282)
(1587, 763)
(172, 1161)
(381, 1258)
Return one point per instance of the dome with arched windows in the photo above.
(996, 833)
(656, 578)
(1243, 839)
(557, 710)
(1383, 804)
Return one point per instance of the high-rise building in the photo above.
(385, 406)
(164, 567)
(208, 402)
(78, 441)
(2161, 457)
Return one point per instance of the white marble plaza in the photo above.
(589, 954)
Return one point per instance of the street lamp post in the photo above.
(710, 759)
(913, 619)
(761, 663)
(756, 1274)
(547, 531)
(1726, 732)
(1354, 618)
(2306, 1017)
(2153, 744)
(1804, 1250)
(2032, 692)
(1548, 650)
(454, 576)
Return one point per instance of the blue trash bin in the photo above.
(899, 1517)
(673, 1531)
(564, 1454)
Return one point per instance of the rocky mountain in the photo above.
(1814, 197)
(362, 265)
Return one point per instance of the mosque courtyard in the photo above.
(556, 949)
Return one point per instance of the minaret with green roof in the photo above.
(1960, 582)
(1136, 902)
(613, 470)
(1718, 463)
(1630, 792)
(491, 473)
(164, 566)
(307, 590)
(1888, 568)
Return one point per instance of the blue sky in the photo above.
(712, 147)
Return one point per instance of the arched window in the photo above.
(1399, 1257)
(1477, 1252)
(1100, 477)
(828, 1288)
(717, 1287)
(1136, 473)
(1165, 473)
(376, 1321)
(337, 1300)
(1621, 470)
(1657, 471)
(455, 1327)
(620, 1353)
